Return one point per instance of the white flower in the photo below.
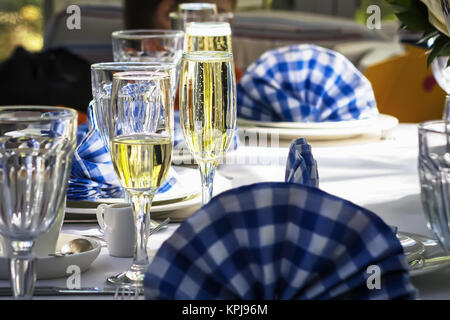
(436, 15)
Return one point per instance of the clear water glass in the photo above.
(434, 173)
(102, 77)
(141, 141)
(148, 45)
(36, 150)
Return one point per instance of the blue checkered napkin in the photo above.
(93, 176)
(304, 83)
(279, 241)
(301, 166)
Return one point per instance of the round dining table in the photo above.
(376, 171)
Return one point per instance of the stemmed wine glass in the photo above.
(102, 76)
(207, 109)
(141, 140)
(36, 150)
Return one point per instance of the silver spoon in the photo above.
(74, 246)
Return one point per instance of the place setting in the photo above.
(320, 102)
(189, 178)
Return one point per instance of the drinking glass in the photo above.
(141, 140)
(201, 7)
(434, 173)
(179, 20)
(208, 36)
(207, 109)
(148, 45)
(188, 12)
(102, 77)
(36, 149)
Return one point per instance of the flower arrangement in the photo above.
(426, 16)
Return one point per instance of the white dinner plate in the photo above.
(177, 210)
(182, 190)
(325, 130)
(56, 267)
(307, 125)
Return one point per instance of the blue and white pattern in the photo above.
(279, 241)
(93, 176)
(304, 83)
(301, 167)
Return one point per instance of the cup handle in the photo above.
(100, 213)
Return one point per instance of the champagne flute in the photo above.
(36, 150)
(141, 140)
(188, 12)
(208, 36)
(208, 109)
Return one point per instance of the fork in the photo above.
(127, 293)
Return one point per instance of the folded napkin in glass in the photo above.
(280, 241)
(304, 83)
(301, 167)
(93, 176)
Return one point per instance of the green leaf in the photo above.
(400, 5)
(416, 18)
(440, 48)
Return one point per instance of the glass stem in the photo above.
(446, 118)
(23, 269)
(446, 114)
(141, 203)
(207, 170)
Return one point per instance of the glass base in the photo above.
(134, 277)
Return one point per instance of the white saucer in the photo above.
(56, 267)
(321, 131)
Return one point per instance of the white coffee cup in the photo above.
(117, 223)
(46, 243)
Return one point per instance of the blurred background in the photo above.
(389, 58)
(22, 22)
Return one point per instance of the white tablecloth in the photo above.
(378, 174)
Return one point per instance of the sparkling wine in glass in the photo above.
(208, 110)
(141, 140)
(36, 150)
(208, 36)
